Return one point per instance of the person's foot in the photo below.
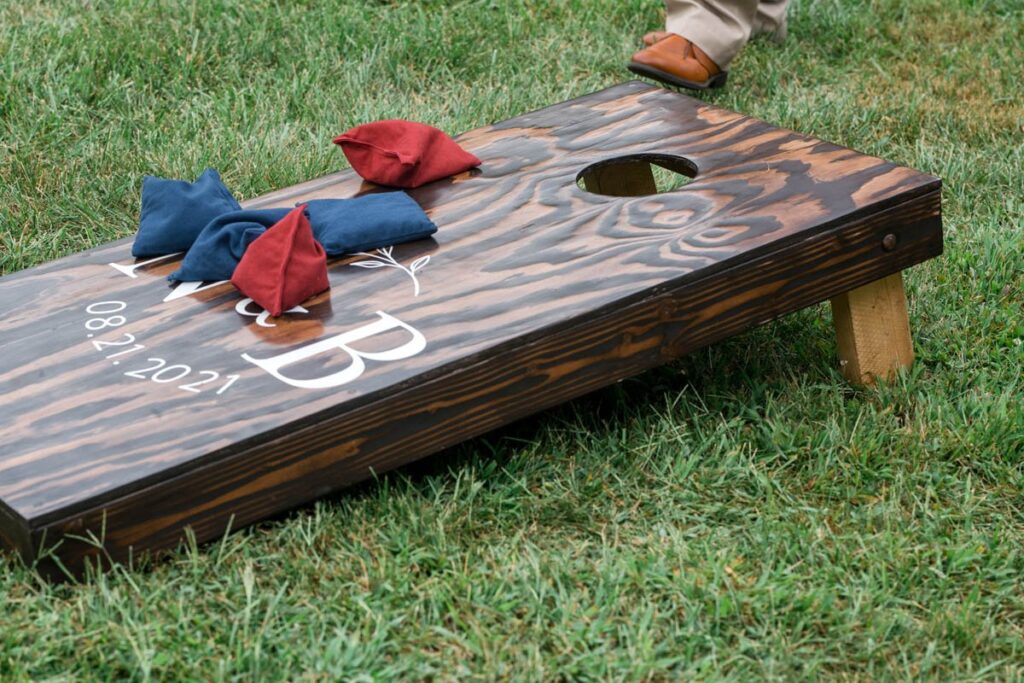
(654, 37)
(676, 61)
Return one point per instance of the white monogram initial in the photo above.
(341, 342)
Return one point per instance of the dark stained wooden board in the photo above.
(535, 292)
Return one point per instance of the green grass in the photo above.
(741, 514)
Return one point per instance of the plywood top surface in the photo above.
(521, 251)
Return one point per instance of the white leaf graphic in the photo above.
(384, 259)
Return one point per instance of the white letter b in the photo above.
(357, 365)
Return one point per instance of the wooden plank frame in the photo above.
(536, 292)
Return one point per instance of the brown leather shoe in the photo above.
(677, 61)
(655, 36)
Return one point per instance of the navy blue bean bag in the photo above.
(220, 246)
(344, 226)
(174, 212)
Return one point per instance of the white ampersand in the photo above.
(242, 307)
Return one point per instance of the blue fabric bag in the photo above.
(344, 226)
(221, 244)
(174, 212)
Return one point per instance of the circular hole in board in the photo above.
(630, 175)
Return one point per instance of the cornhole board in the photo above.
(132, 410)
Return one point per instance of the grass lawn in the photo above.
(743, 513)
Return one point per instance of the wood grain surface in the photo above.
(535, 291)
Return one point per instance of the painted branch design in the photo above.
(384, 258)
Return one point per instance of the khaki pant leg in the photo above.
(719, 27)
(722, 27)
(771, 18)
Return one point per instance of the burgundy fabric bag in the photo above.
(403, 154)
(284, 266)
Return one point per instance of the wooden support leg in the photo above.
(873, 330)
(627, 179)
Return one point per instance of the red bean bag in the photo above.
(284, 266)
(403, 153)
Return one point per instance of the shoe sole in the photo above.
(716, 81)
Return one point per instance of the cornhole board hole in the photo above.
(132, 410)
